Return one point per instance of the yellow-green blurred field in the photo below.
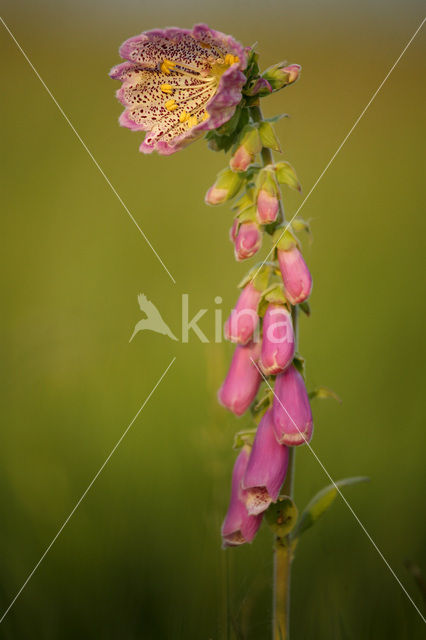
(141, 557)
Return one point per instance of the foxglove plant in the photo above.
(178, 85)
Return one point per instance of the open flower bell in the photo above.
(178, 84)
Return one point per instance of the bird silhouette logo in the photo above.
(153, 320)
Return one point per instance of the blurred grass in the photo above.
(141, 558)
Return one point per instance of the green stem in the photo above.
(268, 158)
(282, 546)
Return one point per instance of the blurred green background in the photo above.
(141, 557)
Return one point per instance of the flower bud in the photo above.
(280, 76)
(248, 241)
(267, 198)
(277, 341)
(241, 160)
(242, 382)
(239, 527)
(243, 320)
(267, 207)
(296, 276)
(227, 185)
(292, 414)
(266, 468)
(245, 154)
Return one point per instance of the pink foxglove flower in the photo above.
(296, 276)
(277, 340)
(266, 469)
(239, 527)
(267, 207)
(248, 241)
(243, 320)
(178, 84)
(241, 160)
(292, 414)
(243, 379)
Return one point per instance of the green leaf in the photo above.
(281, 516)
(287, 175)
(323, 393)
(268, 136)
(321, 502)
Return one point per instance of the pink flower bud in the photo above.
(227, 185)
(293, 71)
(280, 77)
(239, 527)
(277, 341)
(242, 382)
(267, 207)
(241, 160)
(216, 196)
(296, 276)
(266, 469)
(243, 320)
(292, 414)
(248, 241)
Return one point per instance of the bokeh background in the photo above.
(141, 557)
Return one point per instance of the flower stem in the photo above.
(282, 546)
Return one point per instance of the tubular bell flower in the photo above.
(277, 340)
(296, 276)
(292, 413)
(243, 320)
(266, 469)
(239, 527)
(267, 198)
(248, 241)
(242, 381)
(178, 84)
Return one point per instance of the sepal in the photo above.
(259, 276)
(287, 175)
(227, 185)
(305, 307)
(242, 438)
(324, 393)
(299, 225)
(281, 516)
(268, 136)
(284, 239)
(261, 405)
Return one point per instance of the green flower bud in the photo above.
(279, 76)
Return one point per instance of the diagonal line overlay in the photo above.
(96, 476)
(345, 139)
(95, 162)
(343, 497)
